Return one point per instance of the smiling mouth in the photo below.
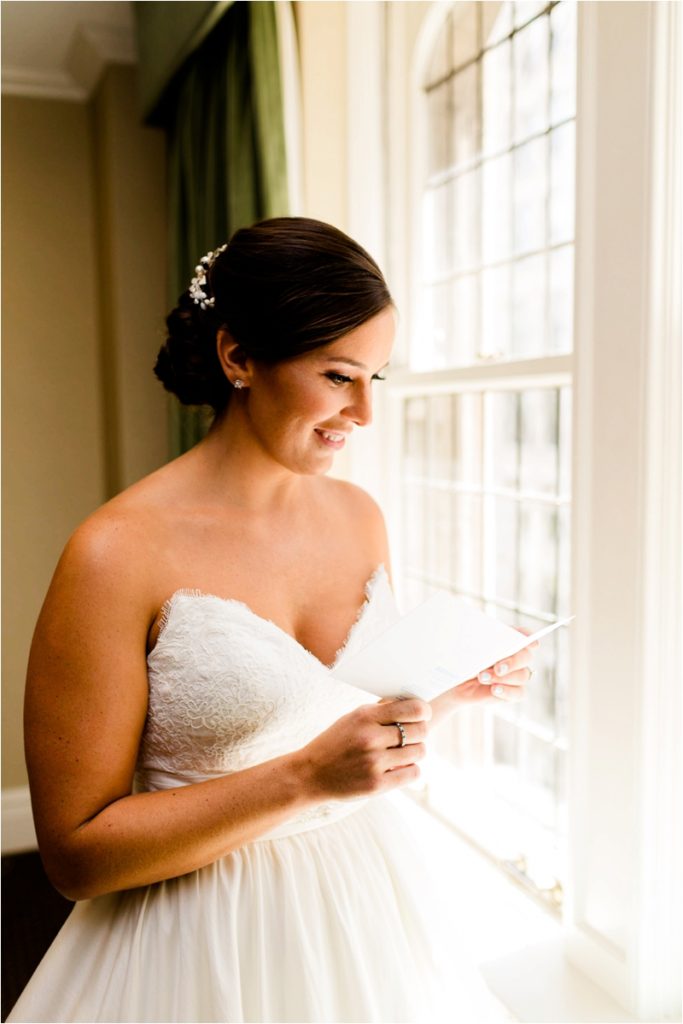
(331, 438)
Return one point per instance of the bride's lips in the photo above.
(328, 441)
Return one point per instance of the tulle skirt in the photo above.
(343, 922)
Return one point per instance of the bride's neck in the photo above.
(235, 468)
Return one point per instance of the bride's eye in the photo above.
(338, 378)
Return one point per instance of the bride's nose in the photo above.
(360, 409)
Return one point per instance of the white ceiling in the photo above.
(57, 49)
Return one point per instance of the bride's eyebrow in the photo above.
(351, 362)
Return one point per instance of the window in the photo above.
(483, 401)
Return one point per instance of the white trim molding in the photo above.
(290, 75)
(18, 831)
(366, 463)
(623, 918)
(92, 48)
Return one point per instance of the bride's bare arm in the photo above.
(86, 703)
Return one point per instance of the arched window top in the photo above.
(496, 84)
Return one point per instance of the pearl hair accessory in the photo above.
(198, 283)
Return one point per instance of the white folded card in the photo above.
(440, 644)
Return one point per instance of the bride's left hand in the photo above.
(506, 681)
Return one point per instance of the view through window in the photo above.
(485, 403)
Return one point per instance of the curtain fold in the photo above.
(224, 122)
(167, 34)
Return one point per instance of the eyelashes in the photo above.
(341, 378)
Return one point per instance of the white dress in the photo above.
(330, 917)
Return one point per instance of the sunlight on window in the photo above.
(486, 469)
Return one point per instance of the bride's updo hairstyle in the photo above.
(281, 288)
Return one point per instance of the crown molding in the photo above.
(31, 82)
(92, 47)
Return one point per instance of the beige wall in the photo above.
(131, 218)
(53, 465)
(321, 31)
(83, 304)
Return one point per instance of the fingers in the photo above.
(507, 693)
(401, 776)
(400, 757)
(414, 732)
(409, 710)
(513, 670)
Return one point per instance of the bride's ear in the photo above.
(235, 363)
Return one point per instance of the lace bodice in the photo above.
(229, 689)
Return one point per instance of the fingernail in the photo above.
(501, 669)
(497, 691)
(484, 677)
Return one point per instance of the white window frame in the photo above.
(622, 920)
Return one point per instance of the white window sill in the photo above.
(518, 946)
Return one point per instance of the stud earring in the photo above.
(238, 383)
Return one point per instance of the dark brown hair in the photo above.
(281, 287)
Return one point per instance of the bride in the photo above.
(223, 810)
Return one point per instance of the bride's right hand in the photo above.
(359, 754)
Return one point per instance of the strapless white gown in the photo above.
(334, 916)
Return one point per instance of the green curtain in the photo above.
(166, 36)
(224, 123)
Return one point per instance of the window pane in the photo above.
(562, 158)
(528, 306)
(496, 70)
(467, 440)
(541, 777)
(562, 685)
(414, 436)
(563, 61)
(432, 352)
(530, 192)
(466, 542)
(496, 208)
(465, 32)
(437, 533)
(465, 321)
(565, 449)
(502, 549)
(437, 229)
(439, 437)
(439, 122)
(502, 427)
(505, 742)
(539, 700)
(539, 425)
(538, 557)
(525, 10)
(496, 308)
(466, 114)
(496, 21)
(414, 533)
(564, 563)
(561, 300)
(466, 227)
(530, 60)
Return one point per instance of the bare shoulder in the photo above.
(363, 517)
(108, 560)
(354, 498)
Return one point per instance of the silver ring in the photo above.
(404, 738)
